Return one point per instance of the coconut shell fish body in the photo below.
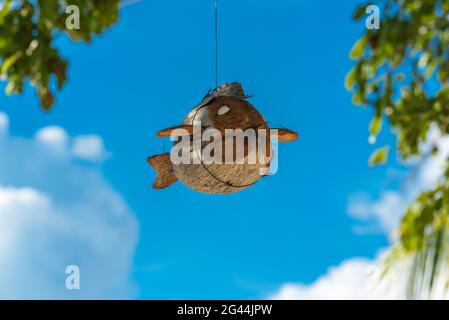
(224, 113)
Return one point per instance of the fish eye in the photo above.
(223, 110)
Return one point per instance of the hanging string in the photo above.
(216, 43)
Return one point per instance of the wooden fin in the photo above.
(284, 135)
(182, 130)
(161, 163)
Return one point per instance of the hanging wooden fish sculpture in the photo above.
(226, 111)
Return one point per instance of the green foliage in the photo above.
(27, 33)
(424, 234)
(402, 74)
(378, 157)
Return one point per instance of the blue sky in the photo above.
(148, 71)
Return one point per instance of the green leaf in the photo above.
(359, 12)
(379, 157)
(436, 257)
(375, 126)
(47, 99)
(358, 48)
(357, 99)
(10, 88)
(9, 62)
(350, 79)
(5, 9)
(443, 75)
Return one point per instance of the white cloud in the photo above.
(352, 279)
(359, 279)
(84, 147)
(89, 147)
(54, 137)
(4, 124)
(384, 213)
(56, 212)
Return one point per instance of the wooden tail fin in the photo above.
(161, 163)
